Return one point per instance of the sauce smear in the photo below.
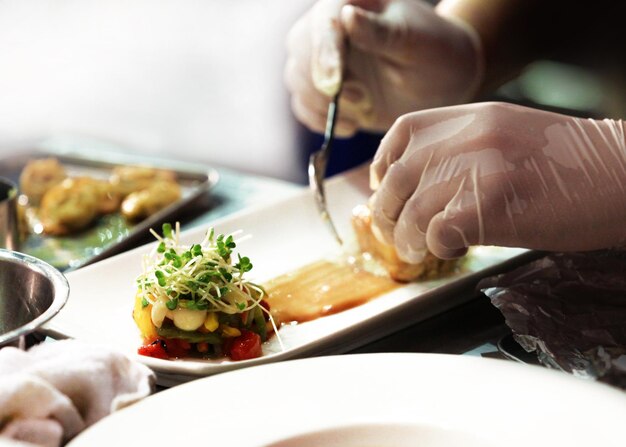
(321, 289)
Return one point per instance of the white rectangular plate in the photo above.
(284, 236)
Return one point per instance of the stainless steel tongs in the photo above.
(317, 166)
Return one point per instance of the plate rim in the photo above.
(519, 379)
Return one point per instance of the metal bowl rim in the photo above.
(60, 286)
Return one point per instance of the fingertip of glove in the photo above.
(374, 178)
(412, 255)
(347, 15)
(327, 79)
(445, 240)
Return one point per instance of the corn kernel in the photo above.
(228, 331)
(210, 322)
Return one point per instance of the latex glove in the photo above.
(402, 57)
(499, 174)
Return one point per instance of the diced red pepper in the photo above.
(155, 349)
(177, 348)
(246, 346)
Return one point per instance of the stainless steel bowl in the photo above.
(31, 293)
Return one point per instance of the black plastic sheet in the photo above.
(570, 308)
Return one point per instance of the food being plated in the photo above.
(56, 203)
(327, 287)
(430, 267)
(323, 288)
(195, 301)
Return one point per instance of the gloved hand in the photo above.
(499, 174)
(396, 56)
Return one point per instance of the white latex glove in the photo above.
(402, 57)
(499, 174)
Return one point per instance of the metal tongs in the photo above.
(317, 166)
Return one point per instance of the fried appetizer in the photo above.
(107, 197)
(430, 267)
(141, 204)
(38, 176)
(129, 179)
(69, 206)
(195, 301)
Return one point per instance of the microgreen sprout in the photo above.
(200, 276)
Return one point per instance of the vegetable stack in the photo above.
(194, 300)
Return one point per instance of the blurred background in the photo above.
(202, 80)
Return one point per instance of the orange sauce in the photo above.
(323, 288)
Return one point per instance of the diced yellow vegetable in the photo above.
(143, 320)
(211, 323)
(228, 331)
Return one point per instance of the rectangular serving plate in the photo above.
(110, 234)
(284, 236)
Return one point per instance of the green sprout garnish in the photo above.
(167, 231)
(200, 276)
(244, 264)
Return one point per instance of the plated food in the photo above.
(195, 301)
(56, 203)
(323, 288)
(362, 273)
(429, 268)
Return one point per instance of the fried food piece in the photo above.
(106, 195)
(38, 176)
(430, 267)
(129, 179)
(144, 203)
(69, 206)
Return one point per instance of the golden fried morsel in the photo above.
(38, 176)
(399, 270)
(69, 206)
(128, 179)
(144, 203)
(106, 195)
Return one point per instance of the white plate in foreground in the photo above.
(284, 236)
(391, 400)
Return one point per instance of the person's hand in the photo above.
(499, 174)
(395, 56)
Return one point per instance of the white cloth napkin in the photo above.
(51, 392)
